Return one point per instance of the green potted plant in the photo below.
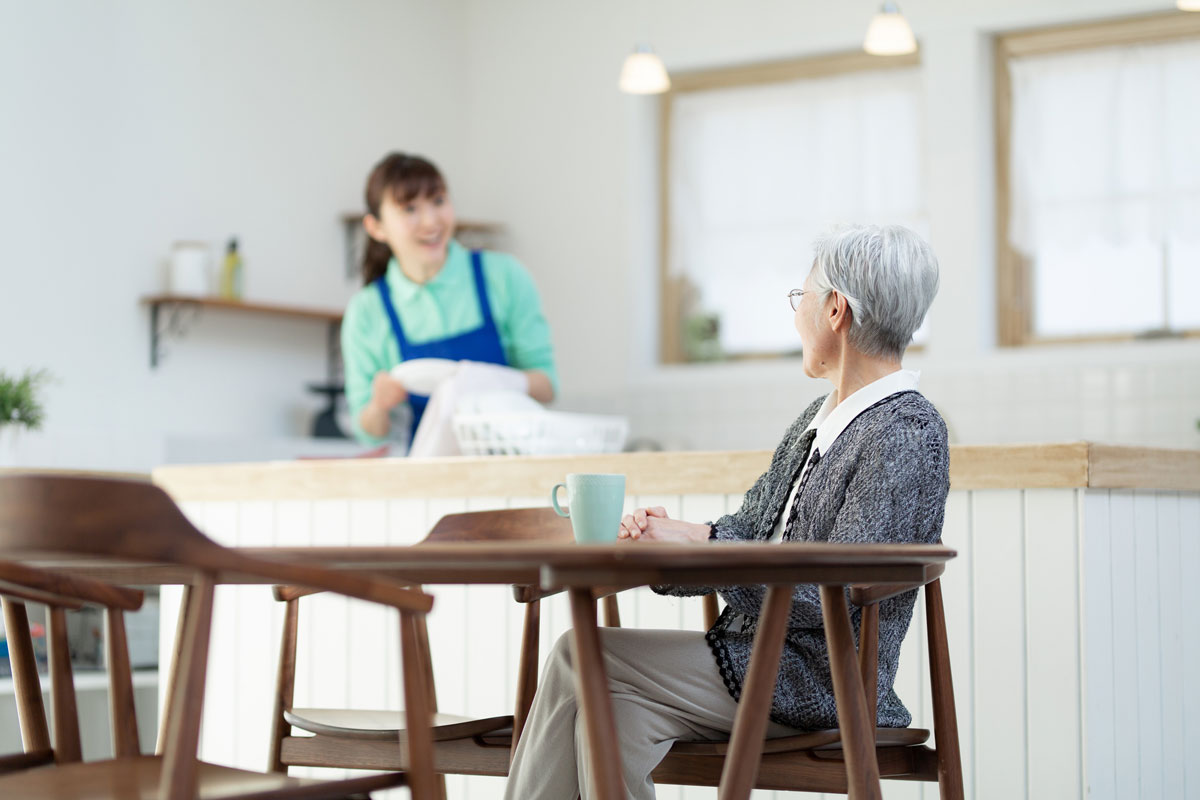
(20, 406)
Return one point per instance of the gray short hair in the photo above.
(888, 275)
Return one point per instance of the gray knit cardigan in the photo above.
(884, 479)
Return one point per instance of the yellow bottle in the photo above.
(231, 273)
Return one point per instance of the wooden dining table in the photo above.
(586, 571)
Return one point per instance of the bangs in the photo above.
(410, 178)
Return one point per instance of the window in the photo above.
(1099, 181)
(757, 162)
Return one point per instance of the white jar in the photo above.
(190, 270)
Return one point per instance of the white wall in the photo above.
(546, 71)
(127, 125)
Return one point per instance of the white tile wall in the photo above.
(1153, 403)
(1134, 395)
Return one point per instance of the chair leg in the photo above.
(750, 723)
(126, 742)
(868, 661)
(862, 768)
(591, 687)
(176, 652)
(711, 611)
(421, 628)
(612, 612)
(63, 708)
(179, 771)
(526, 671)
(31, 711)
(945, 718)
(418, 717)
(285, 684)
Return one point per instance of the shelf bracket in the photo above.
(333, 351)
(171, 316)
(179, 317)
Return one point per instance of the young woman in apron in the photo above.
(426, 296)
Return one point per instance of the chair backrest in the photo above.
(509, 524)
(61, 519)
(502, 525)
(20, 583)
(48, 515)
(52, 517)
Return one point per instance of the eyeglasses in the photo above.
(794, 298)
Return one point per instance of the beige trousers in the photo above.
(665, 687)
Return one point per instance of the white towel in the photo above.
(435, 434)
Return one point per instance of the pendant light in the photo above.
(890, 35)
(643, 73)
(1188, 5)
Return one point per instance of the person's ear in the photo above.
(838, 313)
(374, 228)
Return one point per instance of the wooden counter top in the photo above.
(1055, 466)
(77, 473)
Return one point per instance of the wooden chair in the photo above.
(18, 584)
(808, 762)
(87, 524)
(462, 745)
(816, 762)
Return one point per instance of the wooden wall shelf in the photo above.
(178, 307)
(354, 218)
(472, 234)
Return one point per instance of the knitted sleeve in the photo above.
(894, 489)
(742, 525)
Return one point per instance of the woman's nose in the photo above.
(427, 218)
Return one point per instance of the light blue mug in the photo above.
(596, 502)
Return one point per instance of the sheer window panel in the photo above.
(756, 173)
(1098, 289)
(1105, 187)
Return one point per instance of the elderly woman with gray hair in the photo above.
(869, 462)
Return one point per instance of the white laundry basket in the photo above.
(539, 433)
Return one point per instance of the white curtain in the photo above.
(1105, 166)
(756, 173)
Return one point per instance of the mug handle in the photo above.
(554, 500)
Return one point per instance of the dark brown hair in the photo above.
(406, 178)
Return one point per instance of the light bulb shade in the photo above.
(889, 34)
(1188, 5)
(644, 73)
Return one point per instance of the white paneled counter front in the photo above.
(1068, 628)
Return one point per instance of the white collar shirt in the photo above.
(833, 417)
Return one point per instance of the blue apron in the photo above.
(481, 344)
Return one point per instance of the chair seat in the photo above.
(816, 740)
(138, 779)
(386, 726)
(19, 761)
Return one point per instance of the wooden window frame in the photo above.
(671, 349)
(1014, 278)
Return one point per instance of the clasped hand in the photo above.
(652, 524)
